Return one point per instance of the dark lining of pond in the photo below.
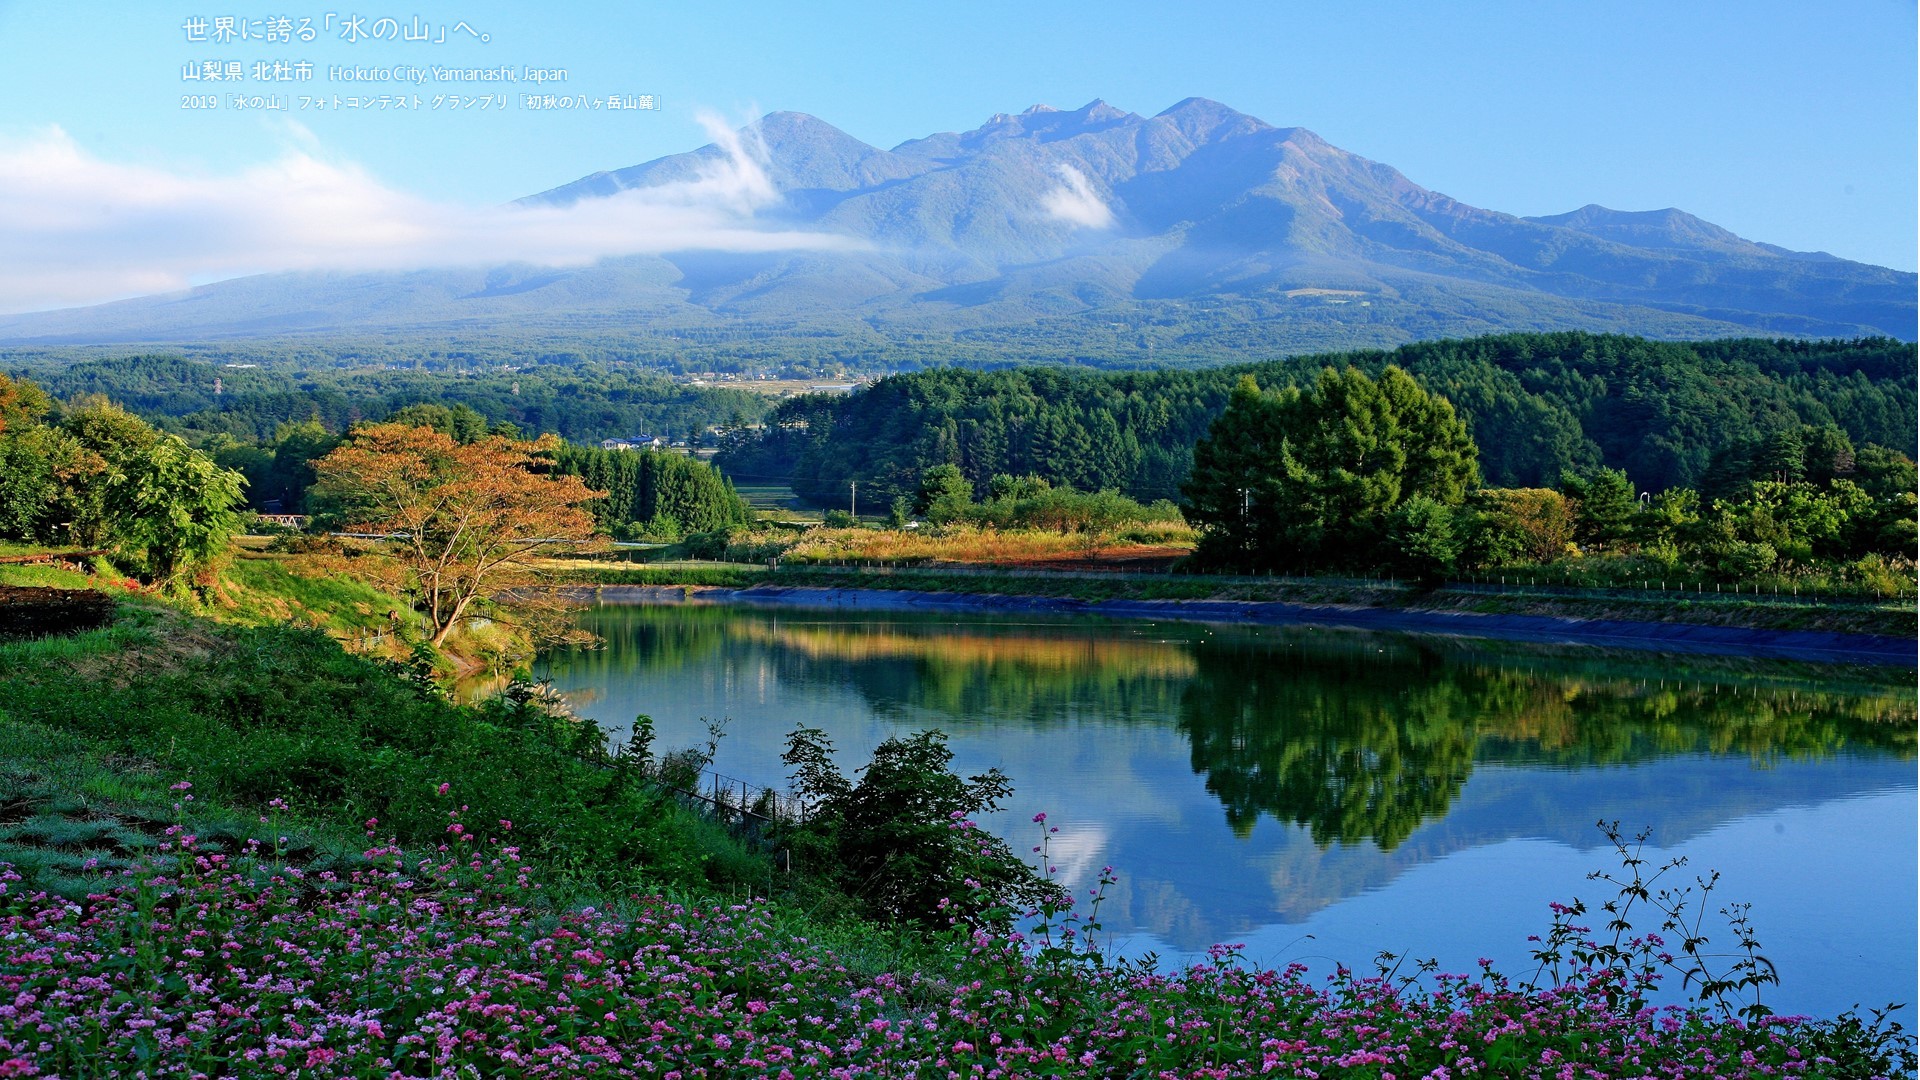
(1426, 796)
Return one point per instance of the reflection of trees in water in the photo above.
(1357, 737)
(970, 673)
(974, 674)
(1608, 721)
(640, 638)
(1355, 744)
(1358, 742)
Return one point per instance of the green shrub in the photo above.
(902, 839)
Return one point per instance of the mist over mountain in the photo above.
(1092, 234)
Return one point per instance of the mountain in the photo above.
(1092, 234)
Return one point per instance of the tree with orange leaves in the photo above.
(461, 522)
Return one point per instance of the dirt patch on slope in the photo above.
(171, 642)
(35, 611)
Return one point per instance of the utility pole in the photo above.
(853, 499)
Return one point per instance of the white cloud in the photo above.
(1078, 851)
(79, 230)
(1076, 201)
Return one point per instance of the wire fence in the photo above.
(750, 812)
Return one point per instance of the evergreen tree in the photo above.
(1306, 479)
(1604, 506)
(652, 492)
(945, 495)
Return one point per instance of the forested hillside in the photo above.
(1535, 404)
(584, 402)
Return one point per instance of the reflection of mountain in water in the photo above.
(1280, 876)
(1330, 763)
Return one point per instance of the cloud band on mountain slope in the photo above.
(81, 230)
(1076, 201)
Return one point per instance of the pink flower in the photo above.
(1041, 816)
(444, 787)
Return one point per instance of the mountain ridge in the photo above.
(1051, 221)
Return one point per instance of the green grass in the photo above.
(103, 577)
(73, 812)
(778, 498)
(254, 714)
(680, 573)
(264, 590)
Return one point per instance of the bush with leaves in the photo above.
(945, 494)
(902, 839)
(1031, 503)
(1423, 540)
(104, 477)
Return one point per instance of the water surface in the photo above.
(1323, 795)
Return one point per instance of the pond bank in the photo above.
(1810, 645)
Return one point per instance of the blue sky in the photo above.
(1789, 123)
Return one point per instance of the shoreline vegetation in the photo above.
(1550, 629)
(1890, 623)
(280, 789)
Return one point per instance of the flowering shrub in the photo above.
(451, 965)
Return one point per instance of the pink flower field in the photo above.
(200, 964)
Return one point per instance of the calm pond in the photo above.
(1319, 795)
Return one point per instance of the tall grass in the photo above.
(972, 545)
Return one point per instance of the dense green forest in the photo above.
(583, 401)
(654, 494)
(1359, 474)
(1541, 410)
(1535, 404)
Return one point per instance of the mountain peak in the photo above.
(787, 125)
(1670, 228)
(1191, 105)
(1204, 120)
(1005, 222)
(1097, 109)
(1044, 122)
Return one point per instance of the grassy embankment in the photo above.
(251, 714)
(277, 853)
